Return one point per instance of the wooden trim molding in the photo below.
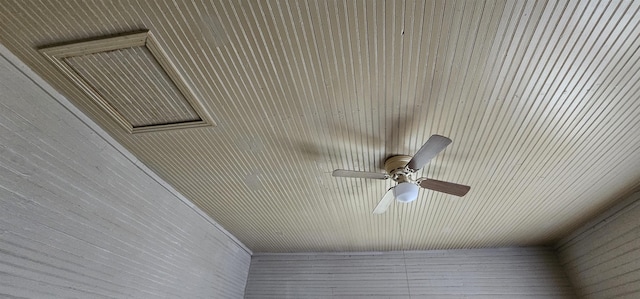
(57, 55)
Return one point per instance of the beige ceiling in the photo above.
(541, 99)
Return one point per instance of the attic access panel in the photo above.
(132, 79)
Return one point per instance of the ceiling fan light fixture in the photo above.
(401, 169)
(406, 192)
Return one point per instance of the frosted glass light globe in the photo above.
(406, 192)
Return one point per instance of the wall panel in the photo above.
(81, 218)
(476, 273)
(602, 258)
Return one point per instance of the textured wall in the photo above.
(478, 273)
(80, 218)
(602, 259)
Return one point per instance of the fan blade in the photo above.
(385, 202)
(359, 174)
(429, 149)
(444, 187)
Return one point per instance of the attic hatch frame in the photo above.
(57, 55)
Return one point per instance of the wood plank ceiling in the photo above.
(541, 99)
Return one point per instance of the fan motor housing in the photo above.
(395, 167)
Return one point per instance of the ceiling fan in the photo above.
(402, 169)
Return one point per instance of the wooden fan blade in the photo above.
(429, 149)
(359, 174)
(385, 202)
(444, 187)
